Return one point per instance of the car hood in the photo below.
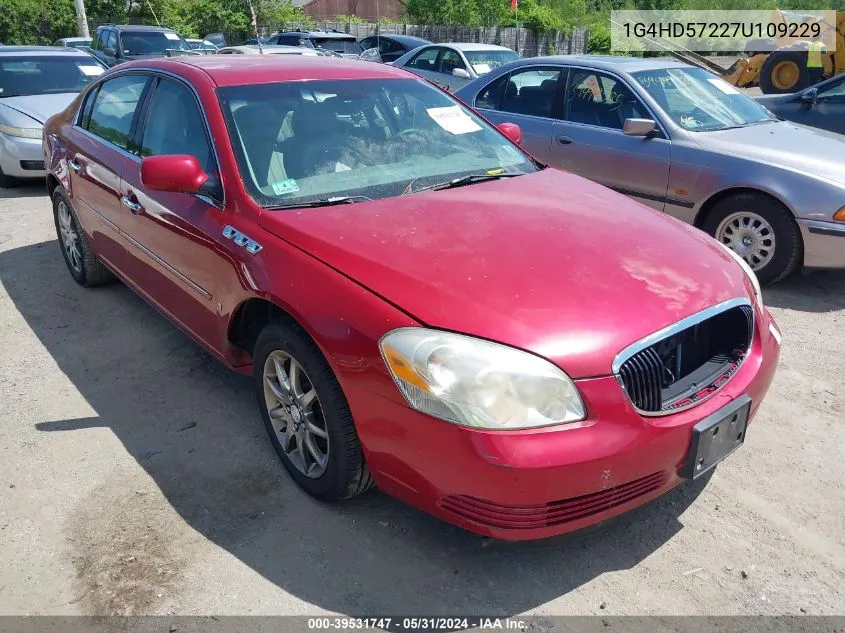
(40, 107)
(547, 262)
(812, 150)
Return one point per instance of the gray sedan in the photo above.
(35, 83)
(451, 66)
(684, 142)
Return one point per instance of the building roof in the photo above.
(238, 70)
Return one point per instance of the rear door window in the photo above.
(114, 109)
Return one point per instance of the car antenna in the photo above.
(155, 17)
(255, 28)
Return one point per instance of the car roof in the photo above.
(137, 27)
(475, 46)
(239, 70)
(605, 62)
(270, 49)
(42, 51)
(337, 35)
(402, 39)
(73, 39)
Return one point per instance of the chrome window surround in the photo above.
(668, 331)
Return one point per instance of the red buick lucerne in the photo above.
(424, 308)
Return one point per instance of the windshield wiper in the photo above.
(321, 202)
(462, 181)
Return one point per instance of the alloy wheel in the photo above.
(70, 237)
(750, 236)
(296, 414)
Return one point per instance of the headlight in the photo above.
(750, 273)
(21, 132)
(477, 383)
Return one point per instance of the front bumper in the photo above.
(21, 157)
(824, 243)
(518, 485)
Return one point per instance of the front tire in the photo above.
(761, 230)
(784, 72)
(306, 415)
(81, 261)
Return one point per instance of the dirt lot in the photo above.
(135, 477)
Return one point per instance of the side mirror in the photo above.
(460, 72)
(638, 127)
(177, 173)
(512, 131)
(371, 55)
(809, 97)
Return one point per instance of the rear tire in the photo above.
(784, 72)
(343, 474)
(81, 261)
(758, 217)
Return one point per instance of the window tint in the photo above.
(86, 110)
(114, 107)
(174, 125)
(835, 92)
(450, 61)
(490, 97)
(529, 91)
(599, 99)
(425, 60)
(110, 42)
(95, 43)
(26, 75)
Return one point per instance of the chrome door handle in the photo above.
(134, 207)
(564, 140)
(75, 166)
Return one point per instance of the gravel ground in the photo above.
(135, 478)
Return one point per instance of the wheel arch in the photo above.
(252, 315)
(52, 184)
(707, 206)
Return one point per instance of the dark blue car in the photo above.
(392, 47)
(822, 105)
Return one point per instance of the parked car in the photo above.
(268, 50)
(341, 43)
(114, 44)
(480, 345)
(821, 106)
(392, 47)
(202, 45)
(684, 142)
(35, 83)
(451, 66)
(218, 39)
(74, 42)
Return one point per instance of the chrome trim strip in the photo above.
(150, 254)
(668, 331)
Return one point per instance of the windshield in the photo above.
(151, 42)
(485, 61)
(699, 101)
(303, 141)
(21, 76)
(338, 45)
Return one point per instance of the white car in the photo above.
(254, 49)
(36, 82)
(451, 66)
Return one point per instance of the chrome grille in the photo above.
(688, 362)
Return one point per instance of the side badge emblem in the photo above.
(241, 240)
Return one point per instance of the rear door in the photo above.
(529, 97)
(99, 154)
(184, 260)
(426, 64)
(589, 141)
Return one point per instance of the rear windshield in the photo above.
(151, 43)
(485, 61)
(338, 45)
(21, 76)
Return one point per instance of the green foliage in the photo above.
(36, 21)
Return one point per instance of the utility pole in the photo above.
(81, 19)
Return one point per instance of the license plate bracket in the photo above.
(716, 436)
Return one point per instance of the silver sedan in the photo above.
(36, 82)
(684, 142)
(451, 66)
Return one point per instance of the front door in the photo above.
(188, 262)
(589, 140)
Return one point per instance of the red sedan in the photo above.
(423, 307)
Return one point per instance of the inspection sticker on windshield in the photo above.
(282, 187)
(724, 86)
(453, 120)
(91, 71)
(172, 36)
